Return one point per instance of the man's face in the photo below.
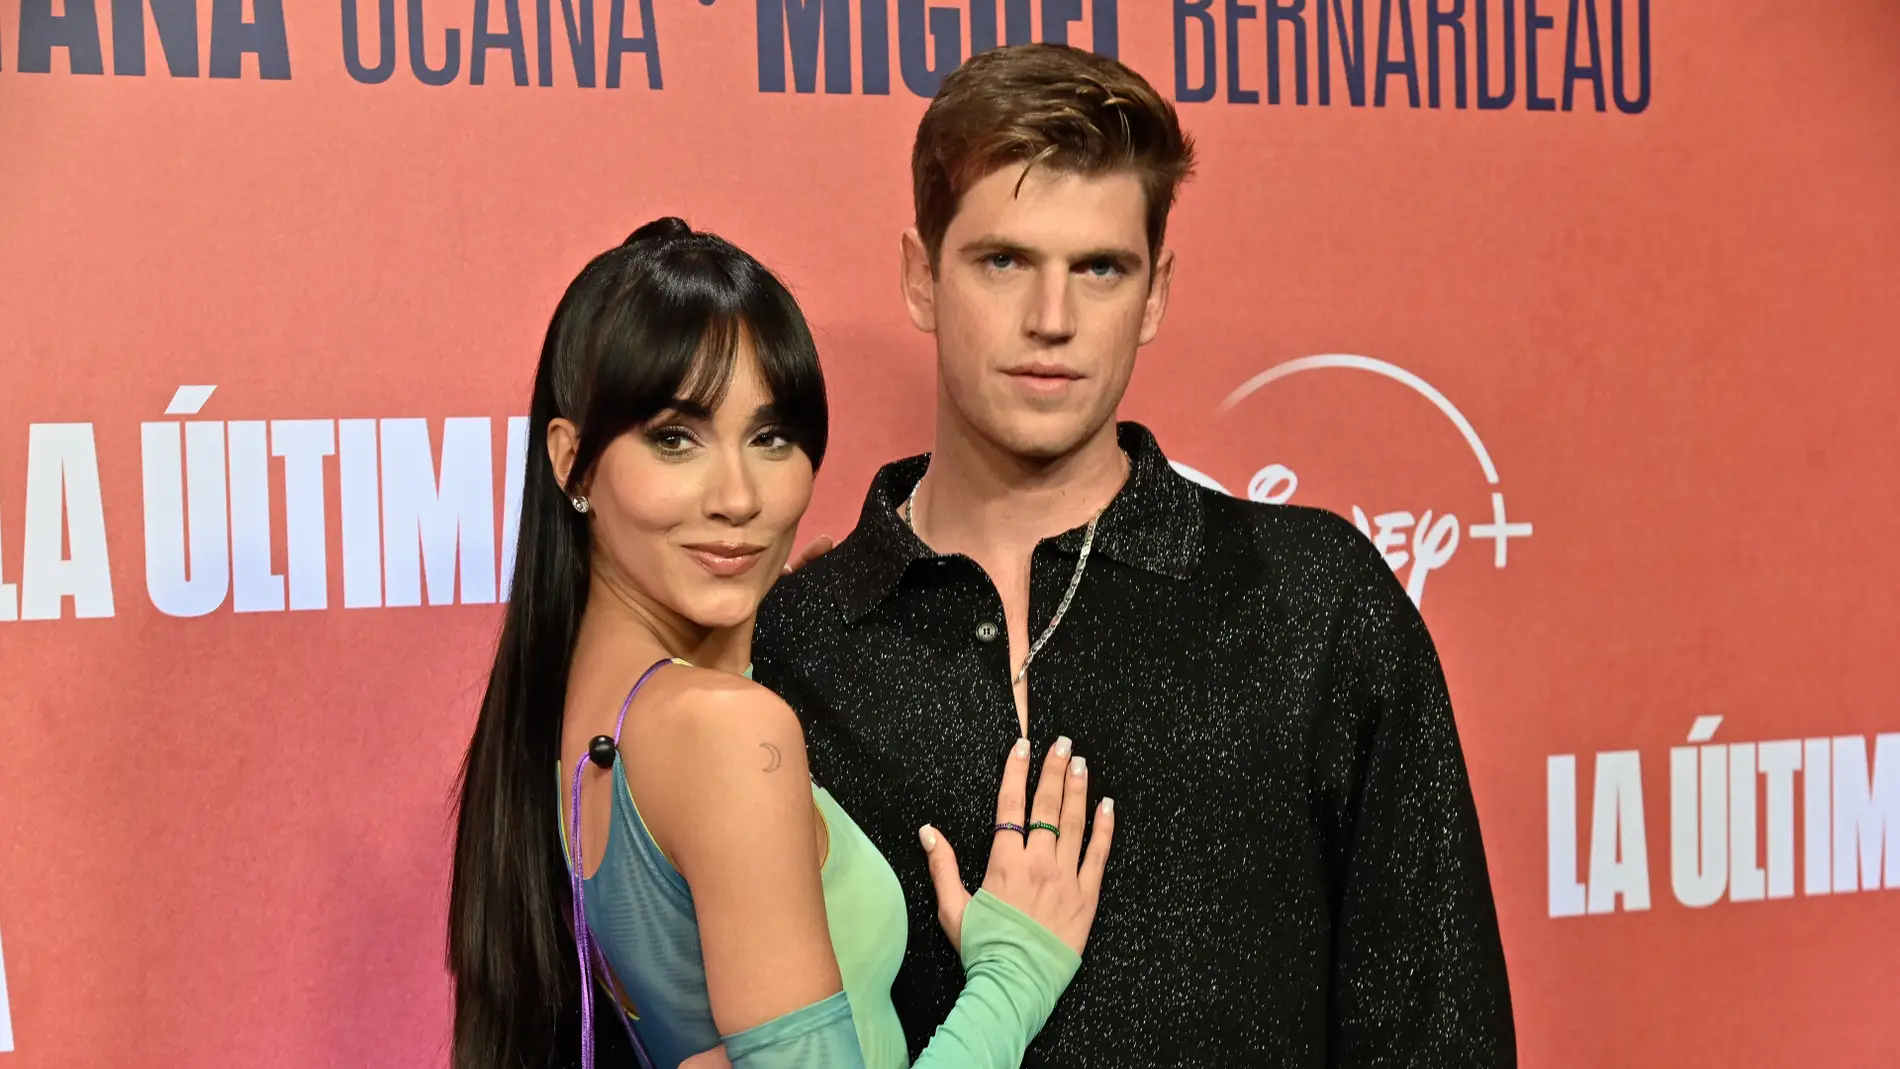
(1040, 299)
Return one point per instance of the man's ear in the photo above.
(1157, 303)
(919, 281)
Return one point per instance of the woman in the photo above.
(677, 421)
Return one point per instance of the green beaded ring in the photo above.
(1046, 826)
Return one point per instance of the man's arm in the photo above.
(1418, 976)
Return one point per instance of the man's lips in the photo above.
(1043, 371)
(1043, 379)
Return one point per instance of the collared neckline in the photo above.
(1154, 523)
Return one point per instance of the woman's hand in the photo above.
(1043, 873)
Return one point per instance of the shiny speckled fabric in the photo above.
(1298, 877)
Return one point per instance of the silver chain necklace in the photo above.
(1075, 581)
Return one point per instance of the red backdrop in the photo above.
(1642, 340)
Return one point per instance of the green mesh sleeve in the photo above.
(1014, 970)
(818, 1036)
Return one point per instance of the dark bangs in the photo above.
(661, 319)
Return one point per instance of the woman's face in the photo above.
(696, 512)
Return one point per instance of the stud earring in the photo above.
(580, 503)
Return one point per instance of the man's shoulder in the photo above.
(1316, 565)
(1300, 539)
(809, 598)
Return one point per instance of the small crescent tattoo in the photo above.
(773, 750)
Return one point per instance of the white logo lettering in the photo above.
(456, 514)
(1817, 799)
(9, 593)
(1431, 544)
(1698, 833)
(6, 1007)
(1779, 762)
(179, 490)
(1850, 822)
(1867, 813)
(1423, 542)
(63, 508)
(254, 587)
(1560, 812)
(362, 516)
(1619, 842)
(303, 443)
(511, 498)
(408, 519)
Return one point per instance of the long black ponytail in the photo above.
(651, 322)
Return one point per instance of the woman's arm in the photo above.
(726, 794)
(723, 785)
(1021, 936)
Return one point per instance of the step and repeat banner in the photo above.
(1583, 310)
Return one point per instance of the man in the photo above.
(1298, 877)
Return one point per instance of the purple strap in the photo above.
(585, 947)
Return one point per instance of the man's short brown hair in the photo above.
(1042, 105)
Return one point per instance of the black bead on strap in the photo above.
(601, 751)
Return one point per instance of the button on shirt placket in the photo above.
(994, 653)
(974, 597)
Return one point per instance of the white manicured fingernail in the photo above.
(1062, 746)
(1108, 806)
(1022, 748)
(928, 837)
(1078, 767)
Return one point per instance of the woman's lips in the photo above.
(725, 559)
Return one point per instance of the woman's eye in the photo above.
(671, 440)
(773, 442)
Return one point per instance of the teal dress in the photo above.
(639, 913)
